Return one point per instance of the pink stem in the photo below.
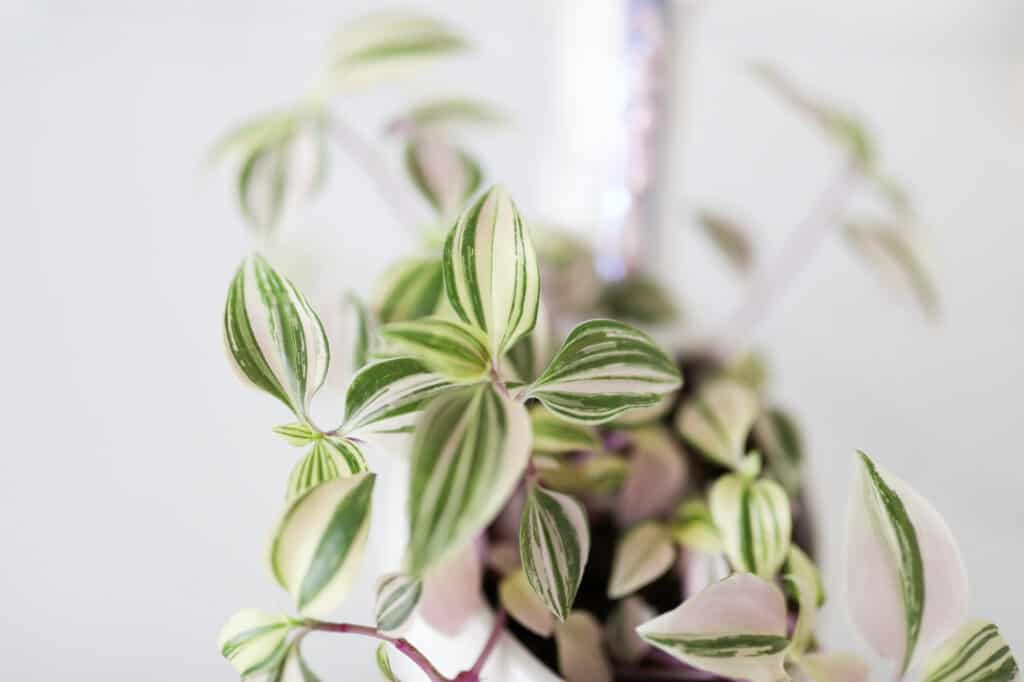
(796, 252)
(492, 641)
(401, 644)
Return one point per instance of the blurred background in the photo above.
(139, 477)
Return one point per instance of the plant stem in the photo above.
(371, 163)
(400, 643)
(492, 641)
(772, 281)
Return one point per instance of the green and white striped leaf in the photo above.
(657, 472)
(409, 290)
(643, 554)
(554, 435)
(735, 628)
(717, 420)
(318, 544)
(387, 396)
(360, 332)
(518, 597)
(754, 520)
(554, 544)
(806, 589)
(890, 252)
(624, 643)
(778, 439)
(490, 271)
(469, 452)
(386, 45)
(834, 666)
(446, 111)
(328, 459)
(449, 347)
(384, 663)
(275, 339)
(398, 595)
(279, 158)
(446, 176)
(907, 587)
(798, 563)
(693, 527)
(581, 657)
(297, 434)
(975, 653)
(603, 369)
(731, 240)
(255, 642)
(527, 358)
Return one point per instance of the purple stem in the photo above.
(400, 643)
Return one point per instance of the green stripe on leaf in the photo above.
(450, 348)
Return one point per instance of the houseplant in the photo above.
(595, 486)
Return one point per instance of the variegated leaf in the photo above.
(806, 589)
(834, 666)
(446, 176)
(580, 655)
(397, 597)
(384, 663)
(693, 527)
(643, 554)
(409, 290)
(387, 396)
(275, 339)
(908, 588)
(754, 520)
(254, 641)
(449, 347)
(518, 597)
(798, 563)
(778, 439)
(731, 240)
(735, 628)
(717, 420)
(524, 361)
(554, 544)
(329, 458)
(444, 111)
(470, 450)
(975, 653)
(318, 544)
(657, 472)
(603, 369)
(890, 252)
(599, 474)
(387, 44)
(490, 271)
(297, 434)
(554, 435)
(623, 641)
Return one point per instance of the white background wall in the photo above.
(139, 479)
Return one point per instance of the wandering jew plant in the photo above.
(563, 471)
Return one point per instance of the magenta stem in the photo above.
(400, 643)
(492, 641)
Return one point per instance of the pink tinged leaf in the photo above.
(743, 612)
(873, 583)
(580, 658)
(657, 474)
(451, 592)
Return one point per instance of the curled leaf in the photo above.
(329, 458)
(976, 652)
(717, 420)
(641, 557)
(384, 663)
(318, 544)
(754, 520)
